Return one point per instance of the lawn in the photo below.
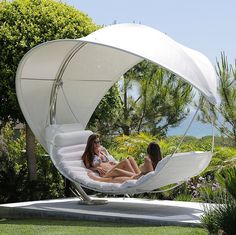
(45, 227)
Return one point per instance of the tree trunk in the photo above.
(30, 154)
(126, 130)
(67, 187)
(234, 131)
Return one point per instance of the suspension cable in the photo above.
(181, 141)
(66, 99)
(213, 135)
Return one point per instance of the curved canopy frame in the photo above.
(87, 67)
(61, 82)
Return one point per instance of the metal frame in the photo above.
(85, 199)
(58, 83)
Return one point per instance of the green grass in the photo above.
(57, 227)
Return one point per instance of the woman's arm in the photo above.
(98, 169)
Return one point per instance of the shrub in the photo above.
(184, 197)
(14, 183)
(223, 216)
(131, 146)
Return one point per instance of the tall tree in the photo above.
(225, 113)
(159, 103)
(25, 24)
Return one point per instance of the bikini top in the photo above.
(98, 159)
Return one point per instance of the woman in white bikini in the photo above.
(95, 159)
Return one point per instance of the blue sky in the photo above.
(205, 25)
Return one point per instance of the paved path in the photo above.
(127, 210)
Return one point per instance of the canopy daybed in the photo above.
(60, 83)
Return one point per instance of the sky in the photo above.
(208, 26)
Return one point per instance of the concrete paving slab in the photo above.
(127, 210)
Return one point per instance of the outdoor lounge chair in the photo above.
(60, 83)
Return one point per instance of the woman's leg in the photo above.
(120, 179)
(125, 165)
(123, 168)
(134, 165)
(116, 172)
(97, 178)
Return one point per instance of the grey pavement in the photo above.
(126, 210)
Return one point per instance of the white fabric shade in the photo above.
(87, 67)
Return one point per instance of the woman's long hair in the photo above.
(154, 152)
(88, 154)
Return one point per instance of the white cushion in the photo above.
(71, 138)
(73, 156)
(70, 149)
(72, 163)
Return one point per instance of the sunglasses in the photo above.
(97, 142)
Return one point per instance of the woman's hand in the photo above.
(101, 171)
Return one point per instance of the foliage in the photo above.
(160, 103)
(135, 145)
(14, 182)
(223, 215)
(222, 218)
(106, 114)
(25, 24)
(14, 142)
(227, 91)
(223, 157)
(11, 180)
(227, 179)
(183, 197)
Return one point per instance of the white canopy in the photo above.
(63, 81)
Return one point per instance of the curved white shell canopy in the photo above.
(82, 71)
